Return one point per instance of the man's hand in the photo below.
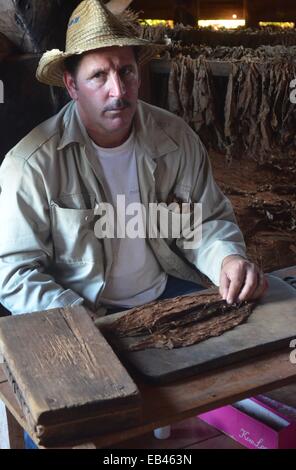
(241, 280)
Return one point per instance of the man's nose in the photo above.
(117, 87)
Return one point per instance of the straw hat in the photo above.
(90, 27)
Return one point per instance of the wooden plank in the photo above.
(67, 377)
(285, 395)
(271, 325)
(15, 431)
(218, 68)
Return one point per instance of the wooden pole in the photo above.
(197, 8)
(252, 20)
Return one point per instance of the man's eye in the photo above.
(126, 71)
(99, 75)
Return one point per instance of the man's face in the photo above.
(106, 91)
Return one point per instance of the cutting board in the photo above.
(271, 326)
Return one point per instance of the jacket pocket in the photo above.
(73, 234)
(168, 222)
(174, 214)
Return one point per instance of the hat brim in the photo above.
(51, 65)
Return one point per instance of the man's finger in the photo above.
(224, 285)
(251, 283)
(234, 289)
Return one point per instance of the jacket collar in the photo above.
(150, 135)
(145, 125)
(74, 130)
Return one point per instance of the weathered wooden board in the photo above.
(271, 325)
(218, 68)
(67, 378)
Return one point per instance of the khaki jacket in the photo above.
(50, 183)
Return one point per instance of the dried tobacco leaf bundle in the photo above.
(178, 322)
(192, 96)
(259, 117)
(247, 37)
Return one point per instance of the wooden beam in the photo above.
(218, 68)
(252, 20)
(15, 432)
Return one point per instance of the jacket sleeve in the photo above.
(220, 235)
(26, 249)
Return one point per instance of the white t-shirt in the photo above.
(136, 277)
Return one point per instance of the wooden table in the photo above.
(166, 404)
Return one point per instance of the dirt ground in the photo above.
(264, 200)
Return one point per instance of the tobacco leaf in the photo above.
(259, 117)
(194, 333)
(178, 322)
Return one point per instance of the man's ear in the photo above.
(70, 84)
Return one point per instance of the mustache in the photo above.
(116, 104)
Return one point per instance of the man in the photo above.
(106, 143)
